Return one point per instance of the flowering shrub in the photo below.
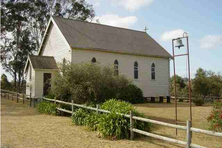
(215, 118)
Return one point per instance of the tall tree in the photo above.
(207, 83)
(5, 84)
(24, 23)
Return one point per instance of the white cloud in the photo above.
(115, 20)
(130, 5)
(133, 5)
(210, 41)
(169, 35)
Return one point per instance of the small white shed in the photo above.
(39, 70)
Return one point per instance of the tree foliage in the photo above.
(207, 83)
(5, 84)
(87, 82)
(23, 23)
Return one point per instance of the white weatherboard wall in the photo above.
(56, 45)
(151, 88)
(39, 78)
(30, 83)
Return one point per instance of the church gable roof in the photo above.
(85, 35)
(43, 62)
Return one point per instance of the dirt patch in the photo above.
(23, 127)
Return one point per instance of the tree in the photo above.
(5, 84)
(207, 83)
(180, 85)
(23, 26)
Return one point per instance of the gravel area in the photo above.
(23, 127)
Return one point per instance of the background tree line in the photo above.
(23, 23)
(206, 83)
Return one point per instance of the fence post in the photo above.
(12, 97)
(131, 125)
(97, 108)
(55, 101)
(8, 96)
(188, 134)
(17, 96)
(23, 98)
(72, 107)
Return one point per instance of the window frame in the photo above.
(93, 60)
(153, 71)
(136, 70)
(116, 68)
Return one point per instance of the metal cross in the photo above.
(145, 29)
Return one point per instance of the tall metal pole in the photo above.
(188, 56)
(175, 90)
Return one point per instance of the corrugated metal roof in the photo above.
(43, 62)
(87, 35)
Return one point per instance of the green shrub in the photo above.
(114, 126)
(119, 106)
(79, 117)
(131, 93)
(47, 107)
(92, 120)
(118, 124)
(198, 101)
(92, 83)
(215, 118)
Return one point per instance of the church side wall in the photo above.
(56, 45)
(151, 88)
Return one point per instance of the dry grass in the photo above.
(166, 112)
(24, 127)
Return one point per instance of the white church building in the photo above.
(137, 55)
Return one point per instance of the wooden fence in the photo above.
(188, 128)
(19, 96)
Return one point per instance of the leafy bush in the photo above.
(132, 94)
(79, 117)
(115, 125)
(47, 107)
(87, 82)
(198, 101)
(215, 118)
(92, 120)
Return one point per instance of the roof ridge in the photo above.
(99, 24)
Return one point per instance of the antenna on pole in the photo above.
(145, 29)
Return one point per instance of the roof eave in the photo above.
(125, 53)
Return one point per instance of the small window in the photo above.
(93, 60)
(116, 68)
(30, 73)
(153, 72)
(136, 75)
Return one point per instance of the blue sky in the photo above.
(167, 19)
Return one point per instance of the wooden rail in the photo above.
(133, 130)
(18, 96)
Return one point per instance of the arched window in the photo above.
(136, 75)
(116, 68)
(93, 60)
(153, 71)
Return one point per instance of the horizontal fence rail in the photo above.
(133, 130)
(187, 128)
(19, 96)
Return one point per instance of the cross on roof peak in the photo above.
(145, 29)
